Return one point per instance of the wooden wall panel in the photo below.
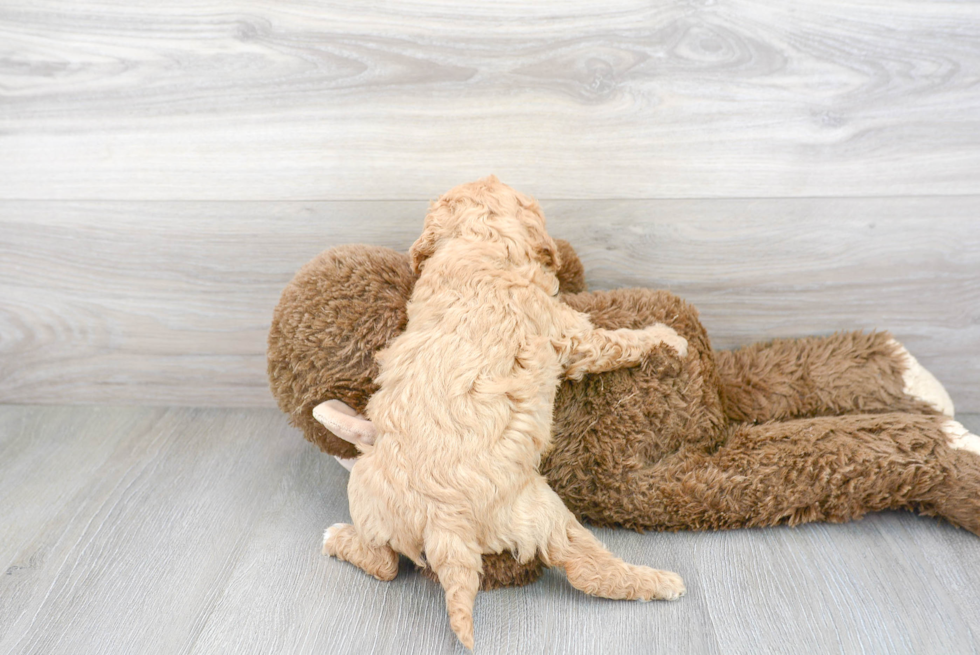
(298, 100)
(169, 303)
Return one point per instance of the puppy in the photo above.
(463, 413)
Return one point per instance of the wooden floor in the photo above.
(155, 530)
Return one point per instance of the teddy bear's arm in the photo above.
(847, 373)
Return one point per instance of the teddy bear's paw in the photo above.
(960, 438)
(659, 585)
(921, 384)
(328, 537)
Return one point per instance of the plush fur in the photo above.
(464, 411)
(778, 433)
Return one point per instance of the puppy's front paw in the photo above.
(678, 343)
(664, 334)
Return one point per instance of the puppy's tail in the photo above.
(459, 566)
(593, 569)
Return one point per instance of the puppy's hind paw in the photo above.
(660, 585)
(329, 535)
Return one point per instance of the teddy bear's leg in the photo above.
(818, 469)
(959, 500)
(342, 541)
(847, 373)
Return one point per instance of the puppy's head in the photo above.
(488, 210)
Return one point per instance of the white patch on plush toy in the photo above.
(923, 385)
(960, 438)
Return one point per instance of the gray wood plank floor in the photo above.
(161, 530)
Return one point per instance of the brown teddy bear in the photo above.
(791, 431)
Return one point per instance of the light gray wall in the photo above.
(165, 168)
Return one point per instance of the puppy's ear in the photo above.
(435, 228)
(548, 254)
(423, 248)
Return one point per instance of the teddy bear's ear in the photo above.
(571, 273)
(345, 422)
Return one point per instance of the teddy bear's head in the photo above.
(334, 316)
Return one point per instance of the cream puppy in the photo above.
(463, 413)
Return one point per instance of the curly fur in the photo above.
(464, 411)
(788, 431)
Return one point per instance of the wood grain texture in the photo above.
(135, 556)
(170, 303)
(165, 168)
(297, 100)
(141, 530)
